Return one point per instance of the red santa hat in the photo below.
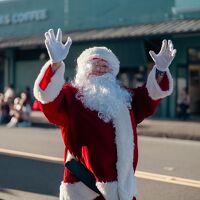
(102, 53)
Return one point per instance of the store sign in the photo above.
(23, 17)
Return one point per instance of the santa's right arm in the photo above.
(48, 87)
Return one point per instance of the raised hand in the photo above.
(56, 49)
(166, 55)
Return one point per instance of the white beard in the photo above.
(103, 94)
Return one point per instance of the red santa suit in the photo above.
(108, 149)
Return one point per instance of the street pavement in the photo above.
(172, 158)
(28, 178)
(8, 194)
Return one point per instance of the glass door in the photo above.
(2, 74)
(194, 88)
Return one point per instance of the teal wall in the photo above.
(11, 9)
(104, 13)
(182, 43)
(186, 9)
(74, 15)
(129, 52)
(31, 69)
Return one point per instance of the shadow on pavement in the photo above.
(5, 191)
(30, 175)
(43, 125)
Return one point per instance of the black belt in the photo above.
(83, 174)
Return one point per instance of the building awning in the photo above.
(170, 27)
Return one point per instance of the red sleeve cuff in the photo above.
(46, 78)
(164, 84)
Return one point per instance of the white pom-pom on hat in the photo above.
(99, 52)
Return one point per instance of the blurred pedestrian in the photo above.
(25, 103)
(9, 94)
(28, 99)
(15, 113)
(183, 104)
(98, 116)
(4, 110)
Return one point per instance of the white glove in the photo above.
(164, 58)
(56, 49)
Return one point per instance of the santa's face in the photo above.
(99, 67)
(94, 67)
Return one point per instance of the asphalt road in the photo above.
(35, 176)
(171, 157)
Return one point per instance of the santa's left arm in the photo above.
(159, 83)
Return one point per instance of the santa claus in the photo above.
(98, 116)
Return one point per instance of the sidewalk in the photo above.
(187, 130)
(39, 120)
(150, 127)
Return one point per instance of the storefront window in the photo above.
(194, 80)
(194, 88)
(132, 77)
(194, 55)
(1, 74)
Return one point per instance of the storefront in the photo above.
(22, 49)
(189, 77)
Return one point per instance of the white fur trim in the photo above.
(69, 156)
(99, 52)
(127, 188)
(154, 90)
(108, 190)
(54, 87)
(76, 191)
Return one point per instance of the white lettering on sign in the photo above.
(4, 19)
(23, 17)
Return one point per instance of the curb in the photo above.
(185, 130)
